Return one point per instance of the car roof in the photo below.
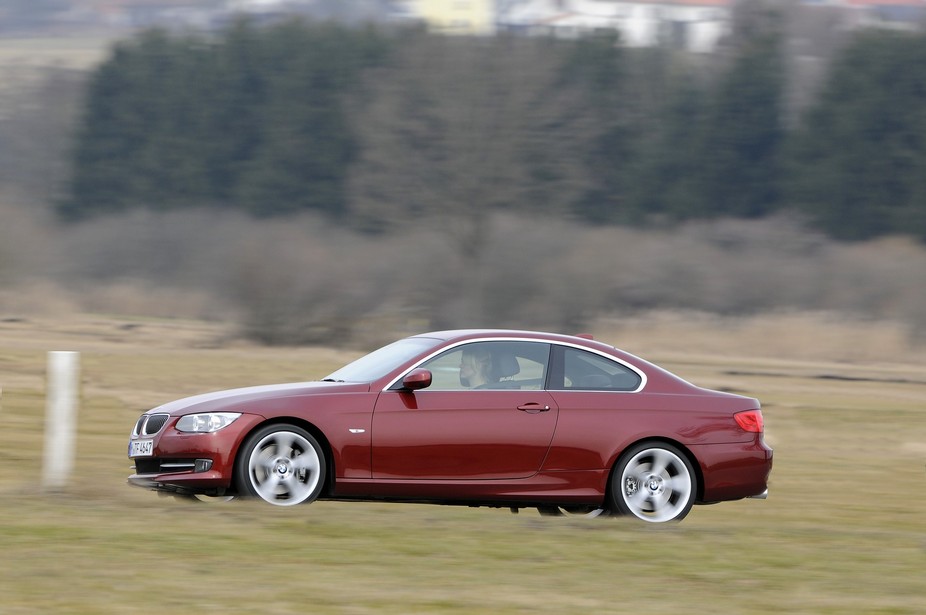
(457, 335)
(462, 334)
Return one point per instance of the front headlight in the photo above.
(206, 423)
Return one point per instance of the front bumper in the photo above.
(207, 483)
(187, 463)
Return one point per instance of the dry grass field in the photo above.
(843, 530)
(78, 52)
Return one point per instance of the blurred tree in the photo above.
(595, 66)
(252, 118)
(743, 132)
(239, 91)
(307, 143)
(105, 140)
(859, 161)
(669, 184)
(144, 128)
(456, 129)
(446, 130)
(680, 141)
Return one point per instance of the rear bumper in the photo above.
(735, 471)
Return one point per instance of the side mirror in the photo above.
(417, 379)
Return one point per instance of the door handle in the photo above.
(533, 408)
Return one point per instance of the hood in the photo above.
(223, 400)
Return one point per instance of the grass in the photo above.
(78, 52)
(842, 532)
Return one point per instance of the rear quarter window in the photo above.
(587, 371)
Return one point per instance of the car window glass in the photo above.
(380, 362)
(592, 372)
(490, 365)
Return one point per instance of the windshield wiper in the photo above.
(331, 380)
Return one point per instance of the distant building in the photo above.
(697, 26)
(894, 14)
(473, 17)
(693, 25)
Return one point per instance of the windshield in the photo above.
(380, 362)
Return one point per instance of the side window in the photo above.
(587, 371)
(490, 365)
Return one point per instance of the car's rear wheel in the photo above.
(281, 464)
(654, 482)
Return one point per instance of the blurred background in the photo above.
(205, 194)
(318, 171)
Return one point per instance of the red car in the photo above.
(498, 418)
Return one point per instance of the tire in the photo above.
(200, 498)
(654, 482)
(588, 512)
(214, 499)
(282, 465)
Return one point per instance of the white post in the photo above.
(60, 417)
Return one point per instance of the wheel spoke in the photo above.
(307, 461)
(267, 489)
(262, 463)
(659, 501)
(680, 484)
(638, 499)
(284, 444)
(661, 461)
(287, 485)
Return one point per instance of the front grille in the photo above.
(139, 425)
(150, 424)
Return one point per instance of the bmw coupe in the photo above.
(511, 419)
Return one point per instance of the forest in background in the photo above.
(461, 182)
(370, 126)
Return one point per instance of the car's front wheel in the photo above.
(281, 464)
(654, 482)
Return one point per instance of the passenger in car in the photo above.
(475, 367)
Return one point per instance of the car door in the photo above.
(451, 432)
(600, 406)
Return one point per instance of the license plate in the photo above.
(141, 448)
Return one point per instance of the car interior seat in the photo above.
(504, 365)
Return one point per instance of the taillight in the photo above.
(750, 420)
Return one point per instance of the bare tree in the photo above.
(456, 129)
